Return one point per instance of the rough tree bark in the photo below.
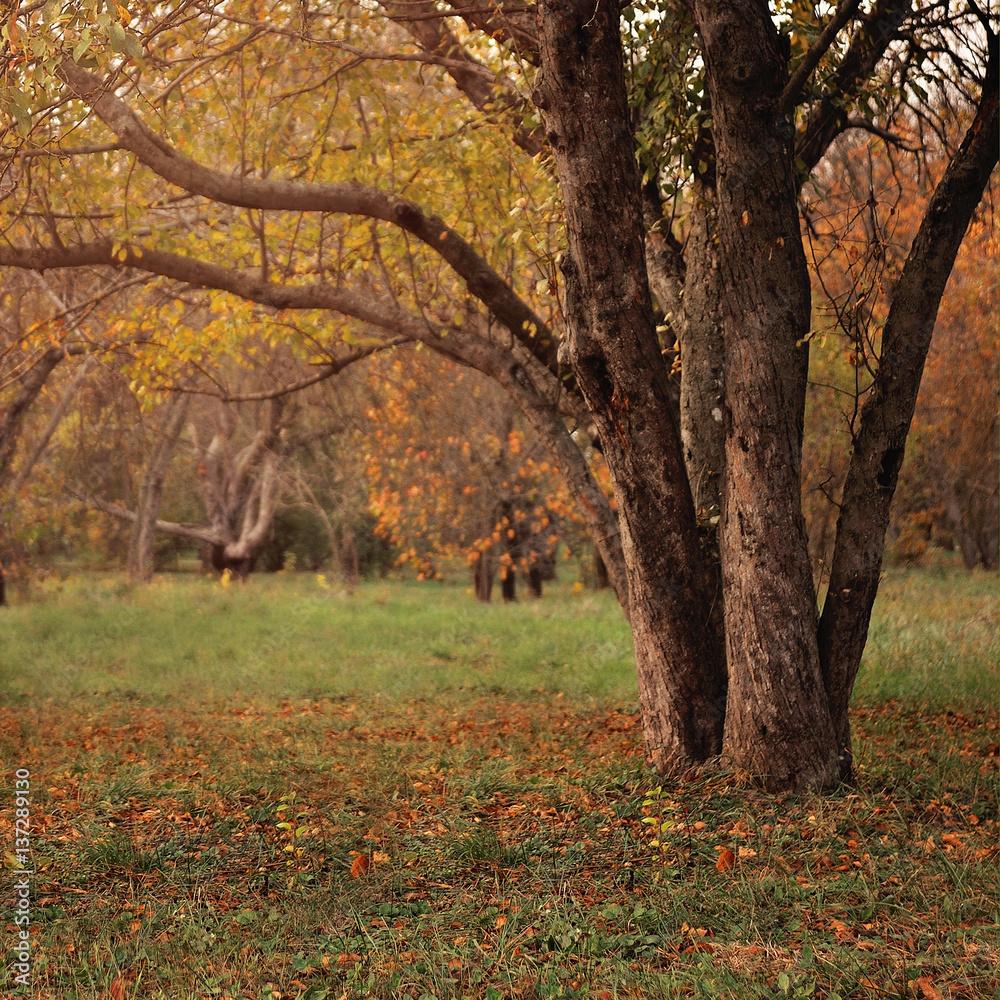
(612, 346)
(778, 723)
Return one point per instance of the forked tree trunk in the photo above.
(139, 565)
(612, 346)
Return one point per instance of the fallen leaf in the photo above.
(927, 988)
(117, 989)
(726, 861)
(360, 866)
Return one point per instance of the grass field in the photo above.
(208, 765)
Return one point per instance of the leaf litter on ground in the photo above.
(490, 848)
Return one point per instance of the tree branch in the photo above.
(488, 93)
(886, 416)
(328, 371)
(829, 118)
(197, 532)
(845, 10)
(295, 196)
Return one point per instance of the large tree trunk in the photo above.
(888, 412)
(139, 564)
(613, 349)
(778, 723)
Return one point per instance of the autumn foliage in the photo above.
(861, 214)
(454, 474)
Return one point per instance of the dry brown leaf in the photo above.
(726, 861)
(360, 866)
(928, 989)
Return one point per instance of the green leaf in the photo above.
(784, 983)
(132, 45)
(116, 35)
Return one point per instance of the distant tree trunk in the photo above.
(535, 581)
(139, 565)
(508, 583)
(239, 566)
(482, 576)
(349, 558)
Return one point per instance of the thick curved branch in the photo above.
(246, 284)
(497, 20)
(295, 196)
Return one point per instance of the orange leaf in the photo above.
(928, 989)
(726, 861)
(360, 866)
(117, 989)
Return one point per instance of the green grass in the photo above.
(208, 762)
(287, 636)
(933, 641)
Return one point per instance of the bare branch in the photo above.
(844, 12)
(197, 532)
(329, 370)
(61, 152)
(857, 121)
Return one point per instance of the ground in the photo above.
(285, 790)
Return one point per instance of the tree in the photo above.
(310, 178)
(454, 474)
(34, 346)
